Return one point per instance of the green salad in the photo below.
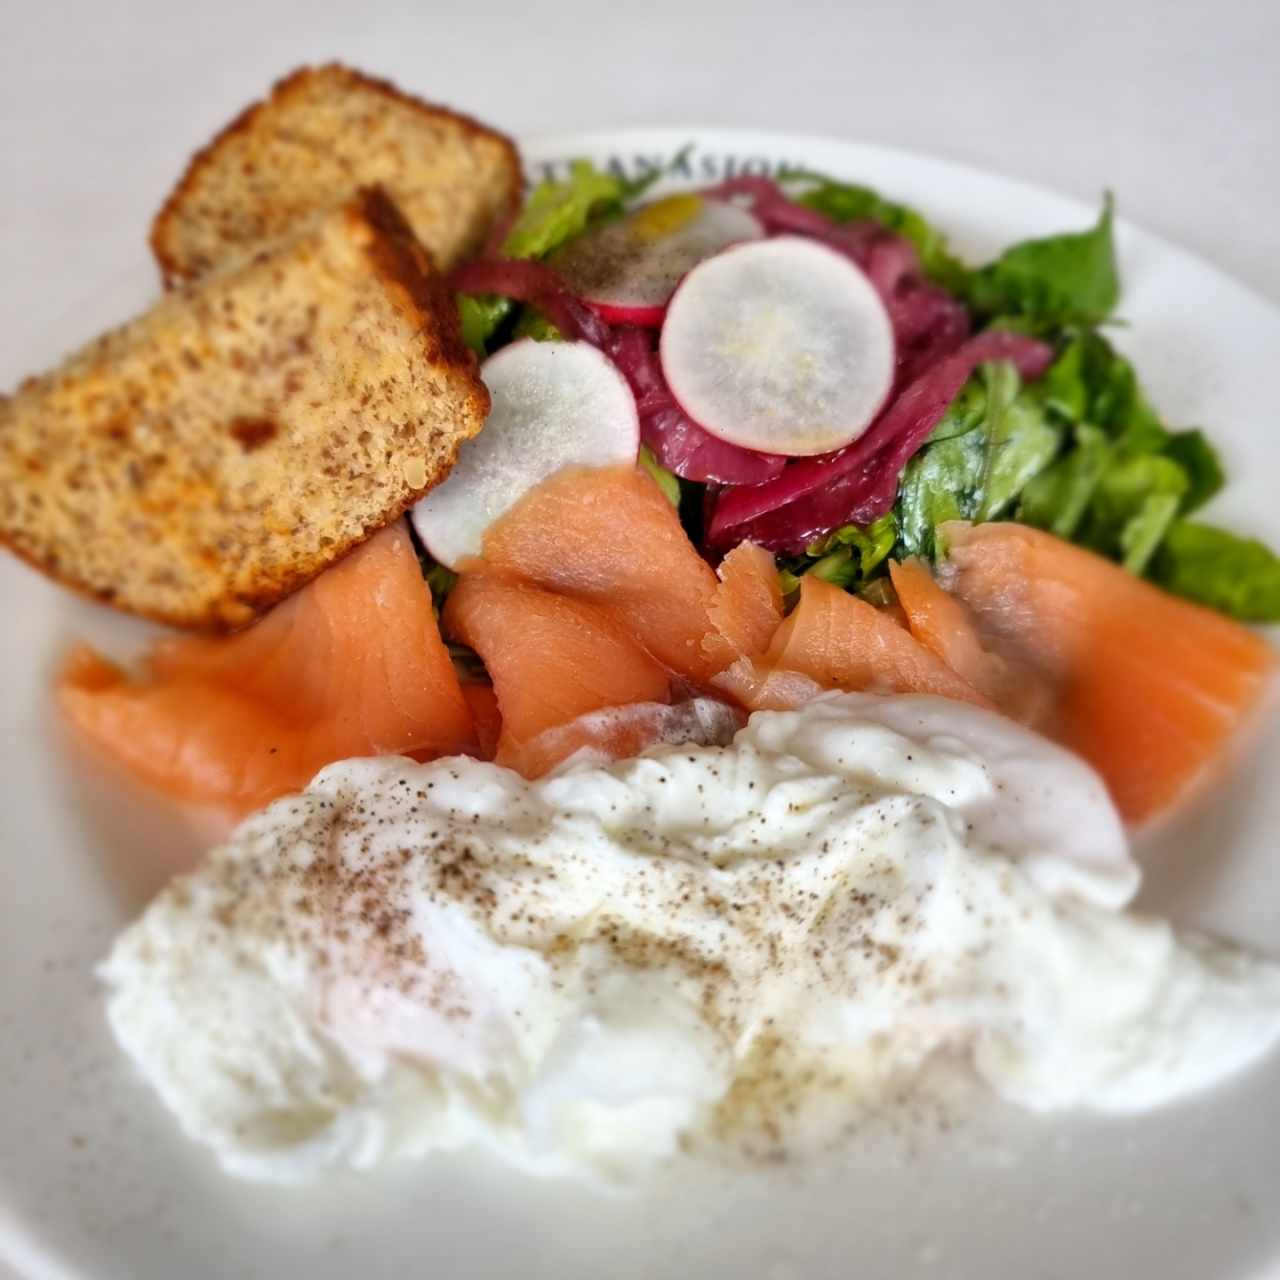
(1078, 449)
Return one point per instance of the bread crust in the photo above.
(221, 600)
(164, 224)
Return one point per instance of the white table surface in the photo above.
(1175, 104)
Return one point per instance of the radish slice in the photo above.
(628, 270)
(782, 346)
(555, 404)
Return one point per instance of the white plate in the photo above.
(95, 1182)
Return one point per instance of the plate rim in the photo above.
(566, 141)
(37, 1248)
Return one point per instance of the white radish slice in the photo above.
(628, 270)
(555, 404)
(782, 346)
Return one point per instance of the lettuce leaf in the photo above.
(1068, 384)
(1135, 502)
(789, 581)
(838, 567)
(1092, 382)
(553, 213)
(441, 581)
(845, 201)
(1199, 459)
(667, 481)
(1237, 576)
(879, 592)
(557, 211)
(1058, 498)
(1120, 405)
(1020, 442)
(1141, 534)
(963, 414)
(1060, 280)
(1124, 477)
(533, 324)
(480, 315)
(975, 474)
(846, 557)
(870, 543)
(939, 484)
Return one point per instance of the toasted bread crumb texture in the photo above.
(322, 133)
(204, 460)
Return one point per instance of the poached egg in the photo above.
(586, 971)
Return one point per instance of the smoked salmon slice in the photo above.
(833, 640)
(1147, 687)
(939, 621)
(621, 733)
(482, 701)
(609, 537)
(746, 609)
(552, 658)
(945, 626)
(351, 665)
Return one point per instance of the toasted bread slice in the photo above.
(322, 133)
(209, 457)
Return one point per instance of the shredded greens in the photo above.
(848, 557)
(667, 482)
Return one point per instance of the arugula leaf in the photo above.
(845, 201)
(556, 211)
(1199, 459)
(1237, 576)
(1060, 280)
(665, 479)
(1058, 498)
